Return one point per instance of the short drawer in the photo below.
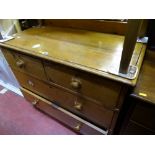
(78, 105)
(25, 63)
(67, 118)
(92, 86)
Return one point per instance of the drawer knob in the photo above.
(30, 83)
(35, 101)
(78, 105)
(76, 84)
(78, 127)
(20, 63)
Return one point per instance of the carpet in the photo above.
(19, 117)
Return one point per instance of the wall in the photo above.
(7, 27)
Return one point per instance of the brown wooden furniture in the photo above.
(133, 29)
(104, 26)
(66, 73)
(141, 103)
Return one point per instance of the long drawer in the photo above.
(97, 88)
(25, 63)
(78, 105)
(69, 119)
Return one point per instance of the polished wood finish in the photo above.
(85, 84)
(72, 121)
(71, 69)
(140, 112)
(139, 117)
(133, 29)
(105, 26)
(134, 128)
(81, 49)
(89, 110)
(144, 114)
(25, 64)
(145, 88)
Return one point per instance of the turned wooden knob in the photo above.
(35, 101)
(30, 83)
(78, 127)
(20, 63)
(75, 83)
(78, 105)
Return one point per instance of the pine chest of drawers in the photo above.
(68, 78)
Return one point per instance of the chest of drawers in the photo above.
(77, 90)
(139, 118)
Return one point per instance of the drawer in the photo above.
(97, 88)
(25, 63)
(144, 114)
(67, 118)
(136, 129)
(78, 105)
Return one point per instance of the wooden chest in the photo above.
(139, 118)
(65, 73)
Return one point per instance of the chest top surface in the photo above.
(86, 50)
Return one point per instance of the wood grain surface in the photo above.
(86, 50)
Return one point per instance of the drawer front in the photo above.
(24, 63)
(82, 107)
(72, 121)
(135, 129)
(144, 114)
(97, 88)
